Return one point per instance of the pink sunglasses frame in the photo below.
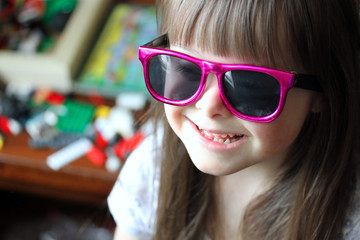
(287, 80)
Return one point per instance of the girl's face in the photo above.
(206, 124)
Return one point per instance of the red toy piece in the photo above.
(4, 125)
(96, 156)
(125, 146)
(55, 98)
(100, 141)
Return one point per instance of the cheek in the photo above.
(277, 136)
(275, 139)
(174, 117)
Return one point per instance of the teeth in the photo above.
(221, 138)
(208, 135)
(220, 135)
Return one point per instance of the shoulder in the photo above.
(351, 229)
(142, 160)
(133, 199)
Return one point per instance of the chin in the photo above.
(217, 168)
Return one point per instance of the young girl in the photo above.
(258, 136)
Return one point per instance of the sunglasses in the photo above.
(252, 93)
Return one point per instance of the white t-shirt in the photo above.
(133, 199)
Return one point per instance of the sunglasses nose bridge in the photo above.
(212, 72)
(214, 68)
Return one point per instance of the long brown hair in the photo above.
(314, 187)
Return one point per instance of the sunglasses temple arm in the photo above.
(307, 82)
(162, 40)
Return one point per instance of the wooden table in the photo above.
(25, 170)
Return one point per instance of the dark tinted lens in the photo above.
(254, 94)
(174, 78)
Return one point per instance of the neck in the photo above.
(233, 193)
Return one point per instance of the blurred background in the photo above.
(72, 108)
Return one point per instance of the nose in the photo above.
(210, 102)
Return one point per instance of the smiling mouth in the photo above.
(221, 138)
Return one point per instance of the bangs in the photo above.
(249, 29)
